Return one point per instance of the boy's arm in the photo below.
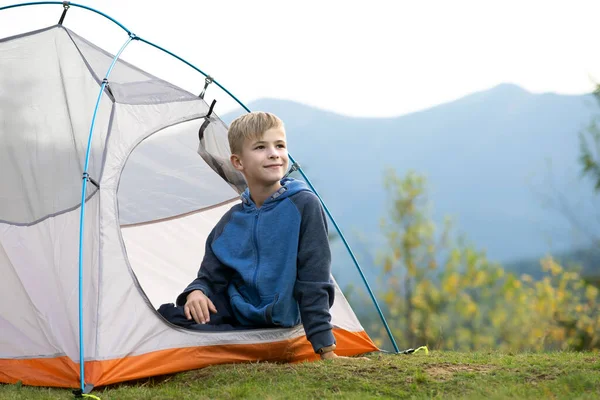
(314, 289)
(212, 277)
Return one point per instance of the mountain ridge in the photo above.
(257, 104)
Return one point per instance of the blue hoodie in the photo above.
(274, 262)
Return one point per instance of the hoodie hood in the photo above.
(289, 187)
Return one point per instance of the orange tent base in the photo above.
(63, 372)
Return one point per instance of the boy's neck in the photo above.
(260, 193)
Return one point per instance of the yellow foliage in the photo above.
(397, 254)
(420, 302)
(590, 330)
(469, 303)
(591, 293)
(450, 285)
(549, 265)
(389, 298)
(387, 266)
(476, 307)
(471, 308)
(480, 278)
(411, 267)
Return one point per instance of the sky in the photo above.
(356, 58)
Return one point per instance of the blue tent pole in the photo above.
(82, 213)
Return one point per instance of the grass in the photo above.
(439, 375)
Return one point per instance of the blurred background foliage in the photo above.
(438, 290)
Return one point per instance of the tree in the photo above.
(412, 245)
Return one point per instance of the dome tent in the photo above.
(84, 266)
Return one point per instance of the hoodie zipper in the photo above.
(256, 249)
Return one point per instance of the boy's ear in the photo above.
(236, 161)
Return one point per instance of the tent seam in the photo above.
(45, 217)
(88, 66)
(183, 215)
(55, 355)
(21, 35)
(157, 102)
(101, 229)
(282, 333)
(100, 267)
(108, 135)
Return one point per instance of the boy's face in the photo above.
(263, 161)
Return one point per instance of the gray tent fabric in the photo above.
(45, 110)
(67, 77)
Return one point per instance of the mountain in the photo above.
(502, 163)
(492, 160)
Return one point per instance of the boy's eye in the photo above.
(259, 147)
(281, 146)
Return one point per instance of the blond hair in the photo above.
(250, 126)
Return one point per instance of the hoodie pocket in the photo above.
(251, 314)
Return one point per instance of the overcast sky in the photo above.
(359, 58)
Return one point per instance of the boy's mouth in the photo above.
(273, 166)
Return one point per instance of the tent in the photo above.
(111, 180)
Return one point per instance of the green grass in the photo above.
(441, 375)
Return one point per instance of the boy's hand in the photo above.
(199, 307)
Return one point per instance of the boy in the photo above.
(267, 261)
